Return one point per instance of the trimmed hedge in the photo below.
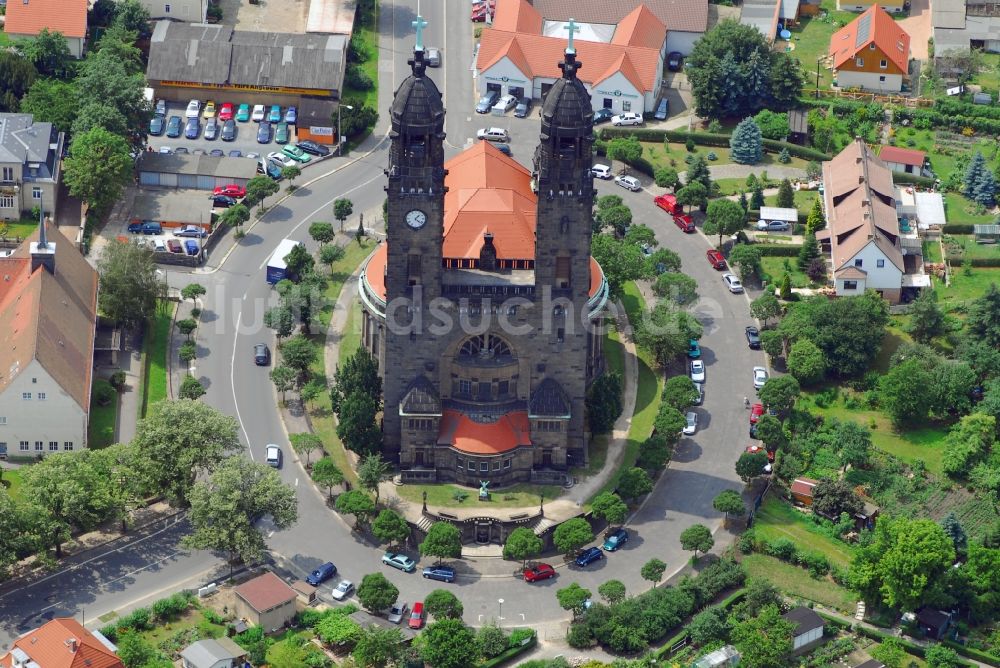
(912, 179)
(733, 598)
(510, 653)
(957, 228)
(779, 250)
(973, 653)
(710, 139)
(985, 261)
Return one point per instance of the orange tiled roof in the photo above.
(883, 32)
(68, 17)
(50, 646)
(902, 156)
(478, 438)
(517, 16)
(543, 54)
(640, 28)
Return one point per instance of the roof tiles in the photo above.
(265, 592)
(874, 26)
(68, 17)
(63, 643)
(902, 156)
(478, 438)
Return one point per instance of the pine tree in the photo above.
(698, 171)
(734, 92)
(744, 203)
(809, 251)
(786, 198)
(786, 287)
(815, 221)
(784, 157)
(955, 532)
(972, 173)
(985, 188)
(757, 196)
(746, 143)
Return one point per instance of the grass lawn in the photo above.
(776, 519)
(154, 351)
(4, 40)
(12, 481)
(443, 496)
(966, 288)
(614, 356)
(101, 428)
(961, 246)
(365, 36)
(23, 227)
(958, 209)
(932, 251)
(811, 40)
(673, 154)
(796, 581)
(351, 338)
(775, 270)
(988, 77)
(319, 410)
(194, 618)
(803, 199)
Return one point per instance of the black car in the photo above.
(223, 201)
(236, 153)
(523, 107)
(602, 116)
(264, 133)
(174, 126)
(229, 130)
(192, 129)
(157, 125)
(674, 59)
(753, 338)
(261, 354)
(312, 147)
(212, 129)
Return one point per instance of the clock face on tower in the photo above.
(416, 219)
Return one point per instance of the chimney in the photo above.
(861, 179)
(43, 253)
(71, 643)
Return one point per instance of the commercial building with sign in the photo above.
(214, 62)
(621, 64)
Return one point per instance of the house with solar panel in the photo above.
(872, 53)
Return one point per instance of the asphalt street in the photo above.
(232, 321)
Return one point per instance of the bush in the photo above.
(710, 139)
(580, 636)
(357, 79)
(171, 607)
(518, 636)
(779, 250)
(104, 393)
(782, 548)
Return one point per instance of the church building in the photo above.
(483, 308)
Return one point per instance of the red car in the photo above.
(479, 13)
(755, 412)
(716, 259)
(684, 222)
(539, 572)
(226, 111)
(174, 246)
(669, 204)
(417, 616)
(754, 449)
(232, 190)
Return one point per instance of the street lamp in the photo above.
(818, 60)
(340, 138)
(500, 615)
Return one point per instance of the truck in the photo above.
(276, 267)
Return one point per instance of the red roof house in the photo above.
(802, 490)
(903, 160)
(27, 18)
(62, 643)
(871, 52)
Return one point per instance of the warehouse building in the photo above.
(196, 172)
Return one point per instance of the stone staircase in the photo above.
(542, 525)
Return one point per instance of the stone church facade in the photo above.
(483, 308)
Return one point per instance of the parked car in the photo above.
(181, 149)
(269, 168)
(193, 231)
(292, 115)
(226, 112)
(493, 134)
(615, 539)
(396, 612)
(157, 125)
(523, 107)
(243, 113)
(539, 572)
(753, 337)
(264, 133)
(192, 247)
(135, 228)
(258, 113)
(732, 283)
(151, 227)
(192, 128)
(694, 349)
(662, 110)
(274, 115)
(400, 561)
(223, 201)
(433, 57)
(232, 190)
(700, 389)
(322, 574)
(628, 118)
(697, 371)
(272, 455)
(309, 146)
(161, 108)
(280, 159)
(684, 222)
(217, 153)
(755, 412)
(487, 101)
(159, 246)
(440, 573)
(296, 154)
(674, 59)
(281, 133)
(174, 126)
(229, 130)
(690, 423)
(603, 116)
(759, 377)
(628, 183)
(193, 109)
(342, 590)
(174, 246)
(601, 171)
(416, 621)
(506, 103)
(773, 226)
(754, 449)
(589, 556)
(209, 110)
(236, 153)
(716, 259)
(212, 129)
(261, 354)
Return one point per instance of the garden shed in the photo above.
(798, 126)
(986, 234)
(802, 490)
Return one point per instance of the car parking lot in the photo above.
(245, 141)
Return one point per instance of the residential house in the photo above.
(894, 6)
(29, 165)
(965, 24)
(903, 160)
(27, 18)
(808, 631)
(867, 249)
(802, 490)
(871, 52)
(48, 315)
(62, 643)
(266, 601)
(934, 623)
(213, 653)
(186, 11)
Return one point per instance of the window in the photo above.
(503, 388)
(496, 465)
(850, 285)
(8, 173)
(880, 263)
(860, 62)
(39, 446)
(6, 201)
(3, 419)
(881, 79)
(413, 269)
(26, 396)
(560, 335)
(3, 447)
(68, 445)
(857, 263)
(506, 463)
(471, 466)
(871, 47)
(464, 387)
(41, 396)
(34, 381)
(883, 64)
(484, 467)
(562, 272)
(53, 446)
(166, 9)
(23, 447)
(36, 193)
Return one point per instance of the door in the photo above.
(608, 103)
(418, 459)
(493, 86)
(516, 91)
(546, 459)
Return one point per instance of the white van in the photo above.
(601, 171)
(159, 246)
(273, 456)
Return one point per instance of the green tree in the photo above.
(226, 507)
(926, 318)
(112, 76)
(182, 440)
(572, 534)
(833, 497)
(845, 329)
(806, 362)
(612, 591)
(640, 234)
(942, 656)
(358, 373)
(772, 343)
(283, 378)
(49, 100)
(342, 208)
(298, 353)
(693, 194)
(259, 188)
(491, 641)
(698, 171)
(357, 503)
(771, 432)
(669, 422)
(604, 402)
(786, 197)
(634, 482)
(305, 443)
(815, 221)
(358, 428)
(654, 453)
(128, 284)
(679, 392)
(16, 77)
(747, 143)
(730, 502)
(619, 217)
(120, 464)
(765, 307)
(371, 472)
(757, 196)
(99, 115)
(378, 647)
(765, 640)
(443, 541)
(746, 258)
(666, 177)
(131, 15)
(624, 149)
(780, 393)
(322, 233)
(855, 443)
(290, 173)
(50, 54)
(442, 604)
(890, 652)
(903, 391)
(679, 288)
(653, 570)
(298, 263)
(98, 168)
(356, 117)
(191, 388)
(572, 598)
(708, 625)
(186, 327)
(235, 216)
(522, 544)
(621, 262)
(192, 291)
(786, 82)
(446, 643)
(697, 538)
(666, 332)
(376, 593)
(609, 506)
(325, 472)
(750, 465)
(968, 442)
(979, 182)
(390, 527)
(133, 650)
(982, 321)
(772, 125)
(809, 251)
(71, 493)
(954, 530)
(724, 217)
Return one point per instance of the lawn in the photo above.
(365, 37)
(21, 228)
(101, 427)
(960, 246)
(12, 481)
(192, 622)
(614, 356)
(351, 338)
(804, 200)
(965, 288)
(775, 269)
(154, 351)
(673, 154)
(932, 251)
(811, 41)
(4, 40)
(796, 581)
(444, 496)
(776, 519)
(958, 209)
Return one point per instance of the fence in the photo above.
(862, 96)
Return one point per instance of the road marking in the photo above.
(296, 482)
(232, 383)
(48, 606)
(270, 533)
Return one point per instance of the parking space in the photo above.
(245, 141)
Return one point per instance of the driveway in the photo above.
(918, 25)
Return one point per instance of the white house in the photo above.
(48, 307)
(808, 631)
(186, 11)
(622, 64)
(27, 18)
(213, 653)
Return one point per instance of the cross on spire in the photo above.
(419, 23)
(571, 27)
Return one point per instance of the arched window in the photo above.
(485, 345)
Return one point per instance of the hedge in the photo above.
(710, 139)
(912, 179)
(973, 653)
(957, 228)
(510, 653)
(664, 649)
(779, 250)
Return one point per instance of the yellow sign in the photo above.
(248, 87)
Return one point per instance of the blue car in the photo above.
(192, 129)
(615, 539)
(322, 574)
(191, 246)
(441, 573)
(291, 115)
(264, 133)
(589, 556)
(274, 116)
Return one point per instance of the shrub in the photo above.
(580, 636)
(104, 393)
(357, 79)
(782, 548)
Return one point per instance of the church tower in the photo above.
(415, 229)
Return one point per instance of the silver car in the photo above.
(433, 57)
(397, 612)
(343, 590)
(691, 423)
(629, 183)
